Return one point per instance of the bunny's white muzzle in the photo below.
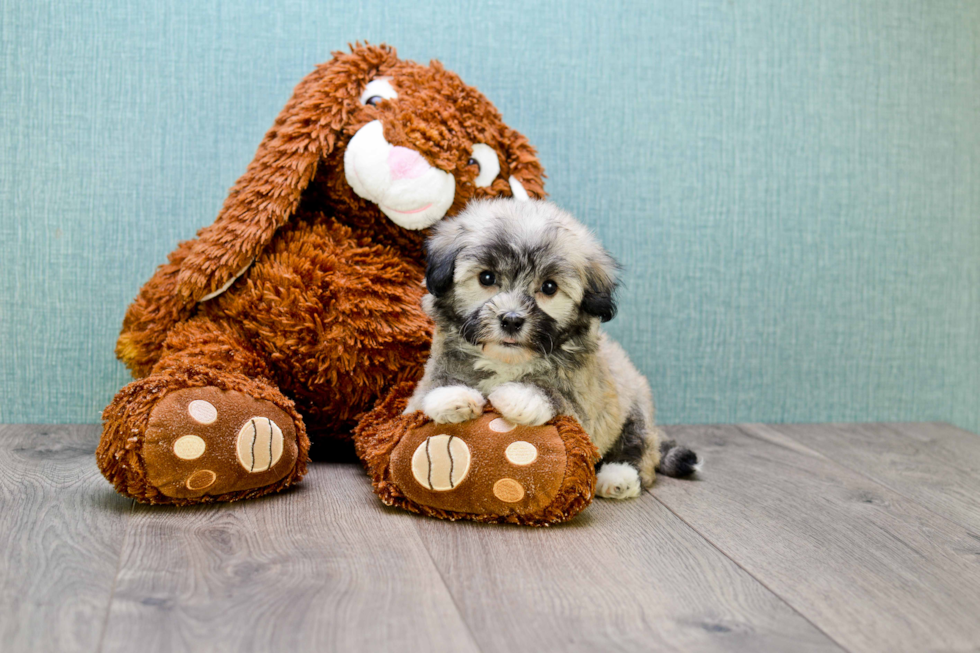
(412, 193)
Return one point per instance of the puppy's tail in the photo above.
(677, 461)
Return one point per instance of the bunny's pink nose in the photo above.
(406, 164)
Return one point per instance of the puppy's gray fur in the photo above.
(533, 352)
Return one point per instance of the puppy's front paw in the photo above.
(453, 404)
(522, 404)
(617, 481)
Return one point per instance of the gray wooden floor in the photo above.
(794, 538)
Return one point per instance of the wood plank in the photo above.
(61, 532)
(935, 464)
(323, 567)
(622, 576)
(871, 568)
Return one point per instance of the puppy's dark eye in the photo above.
(549, 287)
(374, 100)
(487, 278)
(474, 162)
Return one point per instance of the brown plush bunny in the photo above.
(299, 308)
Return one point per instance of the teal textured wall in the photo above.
(793, 187)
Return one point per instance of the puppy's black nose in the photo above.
(511, 322)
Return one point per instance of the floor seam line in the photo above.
(466, 624)
(115, 577)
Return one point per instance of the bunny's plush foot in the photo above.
(484, 469)
(192, 436)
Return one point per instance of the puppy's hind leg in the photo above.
(626, 468)
(617, 481)
(641, 443)
(639, 453)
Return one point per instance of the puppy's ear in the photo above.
(599, 300)
(439, 270)
(444, 244)
(600, 287)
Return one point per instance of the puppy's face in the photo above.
(519, 280)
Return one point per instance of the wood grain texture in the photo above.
(321, 568)
(935, 464)
(874, 570)
(622, 576)
(61, 531)
(803, 538)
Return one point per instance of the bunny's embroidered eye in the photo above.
(489, 165)
(377, 90)
(549, 287)
(487, 278)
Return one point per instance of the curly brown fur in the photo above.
(335, 316)
(330, 296)
(298, 170)
(302, 286)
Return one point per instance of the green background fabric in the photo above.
(791, 186)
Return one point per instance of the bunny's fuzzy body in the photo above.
(304, 294)
(335, 314)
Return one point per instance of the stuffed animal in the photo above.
(298, 310)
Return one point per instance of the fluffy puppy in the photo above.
(517, 291)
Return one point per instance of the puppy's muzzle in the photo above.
(511, 323)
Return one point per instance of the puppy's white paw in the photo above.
(617, 481)
(522, 403)
(453, 404)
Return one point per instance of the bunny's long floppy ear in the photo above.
(262, 200)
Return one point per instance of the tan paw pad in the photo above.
(189, 447)
(508, 490)
(441, 462)
(521, 453)
(202, 412)
(259, 444)
(500, 425)
(201, 479)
